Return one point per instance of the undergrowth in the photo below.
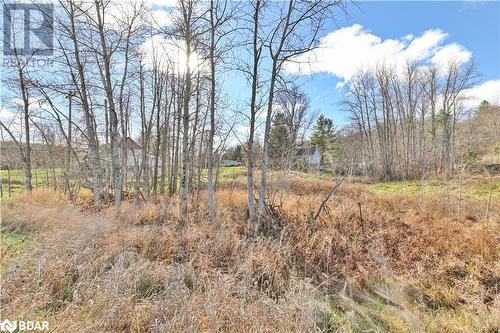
(367, 264)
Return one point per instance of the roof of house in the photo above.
(131, 144)
(305, 151)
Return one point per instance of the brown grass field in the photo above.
(407, 263)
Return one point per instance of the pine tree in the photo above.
(279, 140)
(324, 137)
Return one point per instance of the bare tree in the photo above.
(219, 13)
(287, 40)
(390, 108)
(187, 12)
(21, 81)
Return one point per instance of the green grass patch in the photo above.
(40, 174)
(478, 188)
(11, 243)
(38, 180)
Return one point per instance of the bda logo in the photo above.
(8, 325)
(23, 325)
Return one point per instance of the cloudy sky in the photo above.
(434, 32)
(390, 32)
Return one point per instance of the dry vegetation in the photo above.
(411, 264)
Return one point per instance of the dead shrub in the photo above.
(149, 213)
(134, 271)
(231, 198)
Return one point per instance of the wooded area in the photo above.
(178, 177)
(107, 80)
(121, 76)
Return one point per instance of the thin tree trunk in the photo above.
(265, 150)
(210, 162)
(187, 13)
(253, 111)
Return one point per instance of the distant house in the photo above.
(134, 153)
(491, 162)
(308, 155)
(493, 169)
(230, 163)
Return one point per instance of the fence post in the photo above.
(8, 176)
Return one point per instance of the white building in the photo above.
(134, 153)
(310, 156)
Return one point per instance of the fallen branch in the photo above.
(323, 203)
(362, 222)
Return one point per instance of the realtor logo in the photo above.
(8, 325)
(23, 325)
(28, 29)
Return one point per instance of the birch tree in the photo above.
(295, 32)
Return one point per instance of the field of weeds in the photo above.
(369, 263)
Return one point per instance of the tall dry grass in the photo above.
(408, 265)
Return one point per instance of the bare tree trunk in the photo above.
(26, 152)
(108, 87)
(68, 143)
(9, 183)
(253, 110)
(172, 180)
(158, 136)
(27, 155)
(210, 162)
(165, 154)
(192, 145)
(175, 169)
(201, 156)
(81, 85)
(187, 11)
(265, 150)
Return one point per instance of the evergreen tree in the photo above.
(483, 106)
(324, 137)
(234, 154)
(279, 140)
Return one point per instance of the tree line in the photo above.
(405, 120)
(119, 73)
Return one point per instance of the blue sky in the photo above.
(374, 31)
(472, 24)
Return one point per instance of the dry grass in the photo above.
(412, 264)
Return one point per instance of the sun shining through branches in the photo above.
(250, 166)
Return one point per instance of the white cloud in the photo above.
(162, 18)
(451, 53)
(421, 47)
(13, 122)
(6, 115)
(157, 51)
(489, 91)
(348, 50)
(120, 12)
(408, 37)
(165, 3)
(340, 84)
